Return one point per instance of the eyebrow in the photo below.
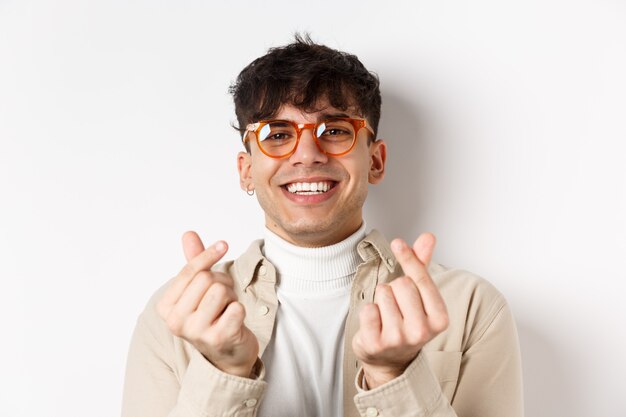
(333, 115)
(323, 116)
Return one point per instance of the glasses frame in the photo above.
(255, 128)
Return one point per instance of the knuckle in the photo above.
(216, 340)
(175, 324)
(415, 339)
(372, 350)
(162, 308)
(384, 292)
(441, 323)
(219, 290)
(204, 277)
(366, 348)
(192, 330)
(404, 282)
(233, 316)
(393, 339)
(210, 338)
(420, 334)
(238, 310)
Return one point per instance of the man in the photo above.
(319, 318)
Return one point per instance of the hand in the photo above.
(201, 307)
(406, 314)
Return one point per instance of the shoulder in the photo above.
(457, 283)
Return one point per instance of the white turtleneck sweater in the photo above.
(304, 359)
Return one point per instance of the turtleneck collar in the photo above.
(321, 269)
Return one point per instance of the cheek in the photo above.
(262, 171)
(358, 168)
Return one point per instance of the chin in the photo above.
(314, 232)
(307, 227)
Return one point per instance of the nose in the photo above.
(308, 153)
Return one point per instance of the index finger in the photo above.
(201, 262)
(417, 270)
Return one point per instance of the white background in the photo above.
(505, 122)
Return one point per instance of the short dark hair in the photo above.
(300, 74)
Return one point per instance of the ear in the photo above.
(378, 157)
(244, 166)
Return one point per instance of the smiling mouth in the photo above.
(310, 188)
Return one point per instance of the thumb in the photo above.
(192, 245)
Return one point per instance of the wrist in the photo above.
(244, 371)
(374, 377)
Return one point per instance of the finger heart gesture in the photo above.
(407, 313)
(201, 307)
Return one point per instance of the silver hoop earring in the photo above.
(249, 191)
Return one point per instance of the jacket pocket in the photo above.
(445, 366)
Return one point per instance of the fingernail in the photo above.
(219, 246)
(397, 245)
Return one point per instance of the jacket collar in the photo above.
(376, 246)
(247, 264)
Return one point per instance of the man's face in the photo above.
(313, 219)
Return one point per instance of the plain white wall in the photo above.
(506, 127)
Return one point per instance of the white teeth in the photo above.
(307, 188)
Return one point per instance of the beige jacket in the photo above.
(473, 369)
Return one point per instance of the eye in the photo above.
(277, 136)
(277, 133)
(333, 131)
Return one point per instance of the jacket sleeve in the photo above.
(490, 379)
(489, 382)
(165, 380)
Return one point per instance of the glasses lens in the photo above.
(278, 138)
(335, 136)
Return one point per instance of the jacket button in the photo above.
(251, 402)
(371, 412)
(262, 270)
(263, 310)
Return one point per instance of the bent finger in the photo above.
(230, 323)
(370, 325)
(390, 315)
(192, 294)
(215, 301)
(409, 301)
(413, 267)
(202, 262)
